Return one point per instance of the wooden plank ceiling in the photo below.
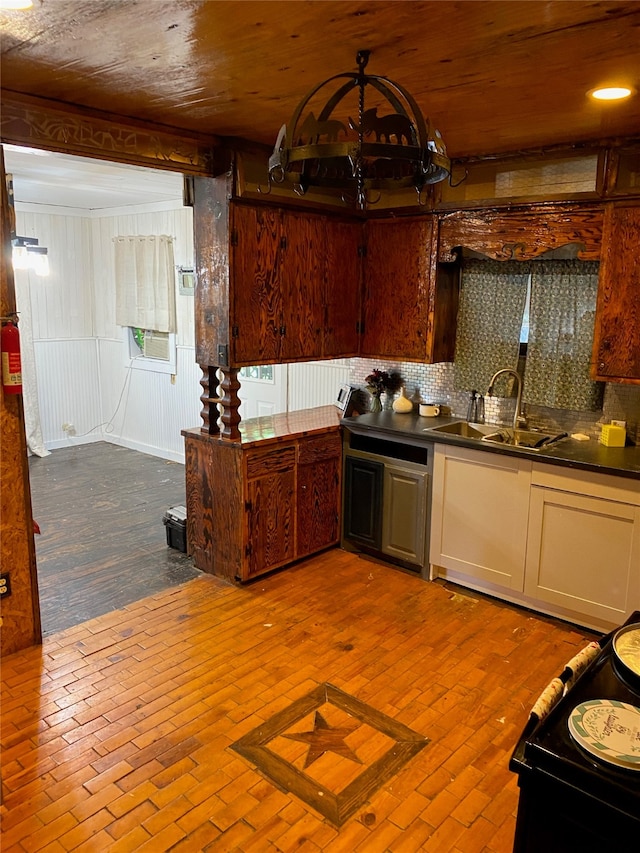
(492, 76)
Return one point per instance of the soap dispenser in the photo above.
(472, 411)
(475, 412)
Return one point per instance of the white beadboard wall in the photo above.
(68, 390)
(84, 374)
(143, 410)
(316, 383)
(81, 357)
(62, 303)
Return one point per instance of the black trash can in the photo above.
(175, 521)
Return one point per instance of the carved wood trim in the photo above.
(521, 234)
(39, 123)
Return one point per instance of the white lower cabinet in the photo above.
(562, 541)
(583, 550)
(480, 506)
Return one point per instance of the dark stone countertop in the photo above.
(586, 455)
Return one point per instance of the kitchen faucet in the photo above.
(518, 417)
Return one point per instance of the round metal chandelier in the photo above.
(359, 155)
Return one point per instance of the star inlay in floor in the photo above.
(330, 750)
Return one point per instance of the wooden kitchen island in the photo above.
(269, 499)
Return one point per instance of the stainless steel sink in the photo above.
(531, 439)
(464, 429)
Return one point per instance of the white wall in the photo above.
(145, 410)
(85, 377)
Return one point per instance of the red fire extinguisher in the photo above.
(11, 364)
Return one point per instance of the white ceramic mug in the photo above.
(429, 410)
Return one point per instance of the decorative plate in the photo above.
(609, 730)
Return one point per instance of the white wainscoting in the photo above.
(146, 411)
(68, 390)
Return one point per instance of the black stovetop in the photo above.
(550, 748)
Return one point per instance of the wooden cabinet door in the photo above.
(257, 297)
(318, 498)
(343, 272)
(397, 276)
(301, 280)
(200, 524)
(616, 342)
(270, 508)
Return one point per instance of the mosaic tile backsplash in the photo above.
(433, 383)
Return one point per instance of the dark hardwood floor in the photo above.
(103, 543)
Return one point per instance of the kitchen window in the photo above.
(535, 315)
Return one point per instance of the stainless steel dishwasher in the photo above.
(386, 490)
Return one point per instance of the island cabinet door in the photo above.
(318, 498)
(199, 490)
(256, 297)
(397, 298)
(270, 508)
(616, 342)
(583, 554)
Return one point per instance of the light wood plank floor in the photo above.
(122, 733)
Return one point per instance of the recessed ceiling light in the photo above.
(16, 4)
(611, 93)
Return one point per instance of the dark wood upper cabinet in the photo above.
(410, 300)
(273, 285)
(278, 285)
(616, 343)
(343, 274)
(257, 299)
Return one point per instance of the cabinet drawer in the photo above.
(590, 483)
(313, 450)
(271, 461)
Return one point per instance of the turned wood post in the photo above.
(230, 403)
(209, 412)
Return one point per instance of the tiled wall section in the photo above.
(433, 383)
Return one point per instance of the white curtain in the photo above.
(145, 282)
(24, 280)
